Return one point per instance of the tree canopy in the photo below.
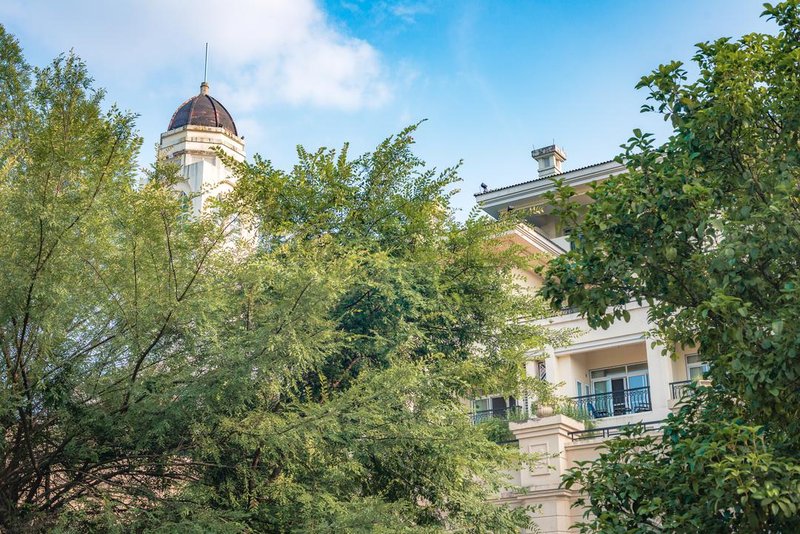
(158, 377)
(705, 228)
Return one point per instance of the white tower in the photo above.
(200, 124)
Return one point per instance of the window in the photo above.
(541, 370)
(481, 405)
(186, 206)
(695, 367)
(622, 377)
(570, 237)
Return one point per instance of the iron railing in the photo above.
(679, 388)
(512, 413)
(626, 401)
(610, 431)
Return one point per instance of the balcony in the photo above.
(506, 413)
(684, 388)
(620, 402)
(611, 431)
(679, 389)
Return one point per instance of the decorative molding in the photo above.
(542, 467)
(537, 239)
(207, 129)
(520, 195)
(596, 344)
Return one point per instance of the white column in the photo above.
(551, 367)
(659, 369)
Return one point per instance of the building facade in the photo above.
(613, 377)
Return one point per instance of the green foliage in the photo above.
(568, 408)
(366, 315)
(155, 379)
(496, 429)
(705, 230)
(709, 470)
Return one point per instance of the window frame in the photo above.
(701, 364)
(624, 375)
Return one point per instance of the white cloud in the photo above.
(262, 51)
(408, 12)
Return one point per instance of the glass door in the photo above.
(637, 381)
(639, 394)
(602, 398)
(481, 405)
(618, 395)
(621, 390)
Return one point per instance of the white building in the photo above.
(614, 376)
(197, 127)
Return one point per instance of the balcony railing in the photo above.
(511, 413)
(687, 387)
(679, 388)
(610, 431)
(622, 402)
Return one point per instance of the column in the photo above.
(659, 369)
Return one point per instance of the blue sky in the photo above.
(492, 78)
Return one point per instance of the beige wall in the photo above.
(575, 367)
(679, 369)
(528, 279)
(551, 435)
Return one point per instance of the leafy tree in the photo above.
(355, 330)
(100, 287)
(158, 377)
(705, 230)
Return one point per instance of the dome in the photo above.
(203, 110)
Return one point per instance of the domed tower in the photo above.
(200, 124)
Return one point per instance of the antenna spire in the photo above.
(204, 85)
(205, 68)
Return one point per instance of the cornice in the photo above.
(521, 194)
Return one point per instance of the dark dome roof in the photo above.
(203, 110)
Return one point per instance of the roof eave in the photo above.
(492, 202)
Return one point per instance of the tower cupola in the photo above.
(200, 128)
(203, 110)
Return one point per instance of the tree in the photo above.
(355, 330)
(156, 377)
(100, 283)
(705, 229)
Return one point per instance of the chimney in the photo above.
(550, 159)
